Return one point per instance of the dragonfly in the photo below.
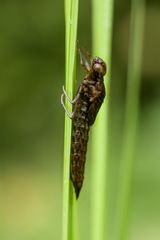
(86, 104)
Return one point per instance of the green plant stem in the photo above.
(71, 19)
(102, 22)
(131, 115)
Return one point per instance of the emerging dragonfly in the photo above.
(86, 104)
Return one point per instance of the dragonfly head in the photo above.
(99, 66)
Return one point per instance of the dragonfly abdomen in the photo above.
(80, 131)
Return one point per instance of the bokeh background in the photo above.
(32, 73)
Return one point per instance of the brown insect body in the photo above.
(90, 94)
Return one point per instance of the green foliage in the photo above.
(102, 25)
(131, 116)
(71, 17)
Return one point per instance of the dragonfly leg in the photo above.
(70, 115)
(70, 100)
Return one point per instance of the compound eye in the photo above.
(99, 67)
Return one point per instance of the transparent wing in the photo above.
(85, 58)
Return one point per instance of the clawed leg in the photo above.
(71, 101)
(70, 115)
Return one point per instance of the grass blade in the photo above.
(131, 115)
(71, 19)
(102, 23)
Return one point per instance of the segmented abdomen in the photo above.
(80, 130)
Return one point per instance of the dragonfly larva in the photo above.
(86, 104)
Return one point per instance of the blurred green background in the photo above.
(31, 120)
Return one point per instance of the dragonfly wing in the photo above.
(85, 58)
